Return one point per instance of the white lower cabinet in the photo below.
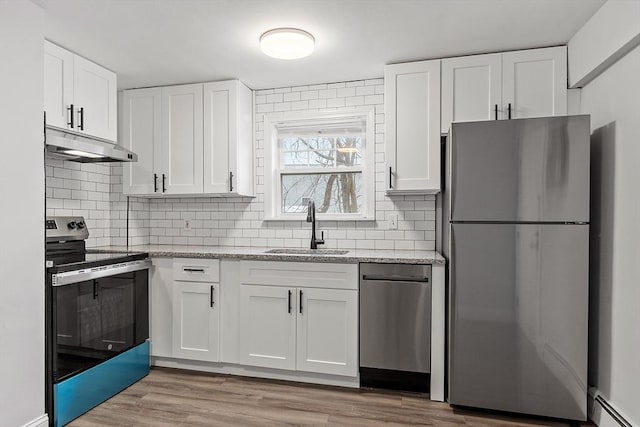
(327, 331)
(309, 329)
(196, 321)
(303, 329)
(161, 307)
(267, 327)
(266, 320)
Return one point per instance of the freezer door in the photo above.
(520, 170)
(518, 318)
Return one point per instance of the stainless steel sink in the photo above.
(307, 251)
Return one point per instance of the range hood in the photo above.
(79, 148)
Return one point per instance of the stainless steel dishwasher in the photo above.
(395, 326)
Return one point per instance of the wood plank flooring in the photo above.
(171, 397)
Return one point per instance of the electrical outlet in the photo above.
(187, 224)
(393, 221)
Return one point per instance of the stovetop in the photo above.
(66, 250)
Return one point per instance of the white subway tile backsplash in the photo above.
(95, 191)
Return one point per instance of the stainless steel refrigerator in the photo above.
(516, 235)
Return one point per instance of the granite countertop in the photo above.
(254, 253)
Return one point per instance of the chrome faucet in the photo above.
(311, 217)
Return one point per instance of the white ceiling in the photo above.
(159, 42)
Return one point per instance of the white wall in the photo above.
(22, 214)
(611, 32)
(613, 100)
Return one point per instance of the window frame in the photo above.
(273, 172)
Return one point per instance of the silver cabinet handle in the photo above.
(395, 278)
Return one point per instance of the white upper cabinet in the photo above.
(535, 82)
(58, 86)
(412, 127)
(510, 85)
(190, 139)
(94, 90)
(471, 89)
(228, 138)
(140, 133)
(80, 96)
(182, 139)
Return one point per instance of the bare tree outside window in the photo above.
(324, 167)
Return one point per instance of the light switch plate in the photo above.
(393, 222)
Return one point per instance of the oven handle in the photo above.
(70, 277)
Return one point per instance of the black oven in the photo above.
(94, 319)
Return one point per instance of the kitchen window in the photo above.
(325, 157)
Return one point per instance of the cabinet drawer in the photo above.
(196, 270)
(299, 274)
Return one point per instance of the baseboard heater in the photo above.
(611, 411)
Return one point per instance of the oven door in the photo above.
(98, 314)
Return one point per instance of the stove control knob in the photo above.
(80, 225)
(72, 225)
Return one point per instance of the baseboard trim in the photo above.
(41, 421)
(256, 372)
(604, 413)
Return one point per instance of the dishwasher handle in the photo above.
(377, 278)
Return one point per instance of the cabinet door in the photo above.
(471, 89)
(228, 138)
(161, 307)
(535, 82)
(58, 86)
(141, 130)
(412, 127)
(95, 99)
(182, 139)
(196, 321)
(327, 331)
(219, 134)
(268, 326)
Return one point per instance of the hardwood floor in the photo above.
(170, 397)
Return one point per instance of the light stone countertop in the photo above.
(256, 253)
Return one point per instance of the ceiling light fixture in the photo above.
(287, 43)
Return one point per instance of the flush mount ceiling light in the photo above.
(287, 43)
